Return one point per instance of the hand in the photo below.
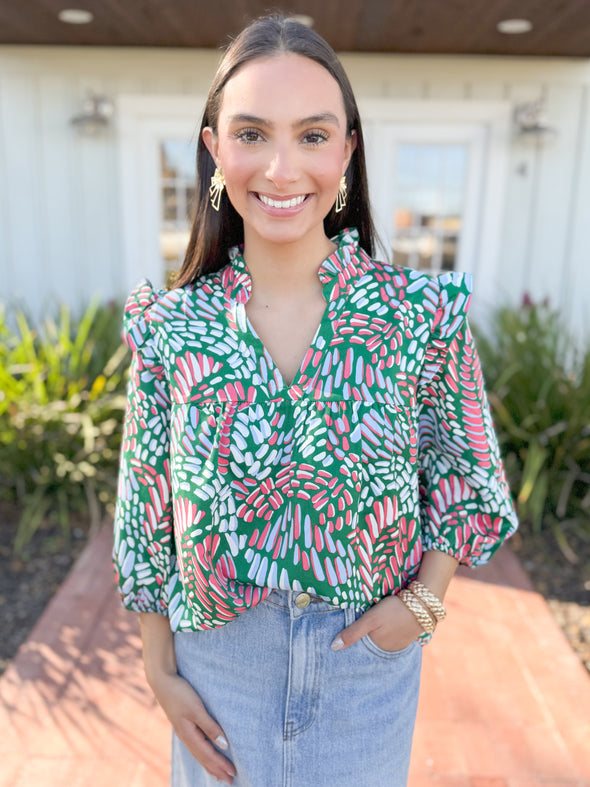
(193, 725)
(389, 623)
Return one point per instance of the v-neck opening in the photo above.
(286, 386)
(335, 274)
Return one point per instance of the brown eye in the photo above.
(250, 136)
(315, 138)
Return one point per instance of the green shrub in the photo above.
(538, 382)
(62, 402)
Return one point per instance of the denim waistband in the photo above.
(288, 598)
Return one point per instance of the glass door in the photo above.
(427, 182)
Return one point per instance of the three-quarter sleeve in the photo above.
(143, 553)
(466, 506)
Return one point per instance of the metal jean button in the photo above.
(303, 600)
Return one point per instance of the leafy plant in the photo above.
(538, 383)
(61, 406)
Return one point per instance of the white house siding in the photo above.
(60, 192)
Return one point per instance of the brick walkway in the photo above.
(504, 700)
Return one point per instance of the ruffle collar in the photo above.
(338, 268)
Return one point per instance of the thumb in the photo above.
(351, 634)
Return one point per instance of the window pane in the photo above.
(191, 193)
(169, 204)
(173, 245)
(178, 159)
(177, 188)
(427, 218)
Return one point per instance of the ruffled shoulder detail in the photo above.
(136, 315)
(453, 304)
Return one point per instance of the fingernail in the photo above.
(221, 741)
(338, 644)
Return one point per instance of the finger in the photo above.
(208, 724)
(203, 750)
(352, 633)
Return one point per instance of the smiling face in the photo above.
(283, 147)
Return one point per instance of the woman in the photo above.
(307, 453)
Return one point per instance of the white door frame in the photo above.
(485, 126)
(143, 122)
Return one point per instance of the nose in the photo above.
(282, 168)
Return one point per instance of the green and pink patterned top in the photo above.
(233, 483)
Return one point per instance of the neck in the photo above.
(286, 269)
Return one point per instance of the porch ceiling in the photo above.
(560, 27)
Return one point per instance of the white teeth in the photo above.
(287, 203)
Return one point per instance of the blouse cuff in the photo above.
(144, 602)
(472, 538)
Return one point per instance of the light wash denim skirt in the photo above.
(295, 712)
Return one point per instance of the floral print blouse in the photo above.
(233, 483)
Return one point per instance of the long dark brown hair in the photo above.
(213, 233)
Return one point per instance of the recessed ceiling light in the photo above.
(514, 26)
(75, 16)
(303, 19)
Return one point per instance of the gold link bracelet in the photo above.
(418, 609)
(430, 600)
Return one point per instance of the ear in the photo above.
(211, 143)
(350, 147)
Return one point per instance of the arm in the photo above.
(466, 507)
(143, 550)
(466, 510)
(158, 646)
(181, 704)
(143, 553)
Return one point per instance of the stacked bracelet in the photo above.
(424, 605)
(417, 608)
(432, 603)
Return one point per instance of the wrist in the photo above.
(158, 676)
(436, 571)
(159, 658)
(410, 624)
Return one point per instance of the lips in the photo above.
(291, 202)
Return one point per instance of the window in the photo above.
(437, 174)
(428, 213)
(177, 184)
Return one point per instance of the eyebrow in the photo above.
(323, 117)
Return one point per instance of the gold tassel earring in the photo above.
(216, 188)
(342, 194)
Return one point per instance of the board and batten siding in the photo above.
(61, 234)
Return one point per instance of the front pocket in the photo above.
(387, 654)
